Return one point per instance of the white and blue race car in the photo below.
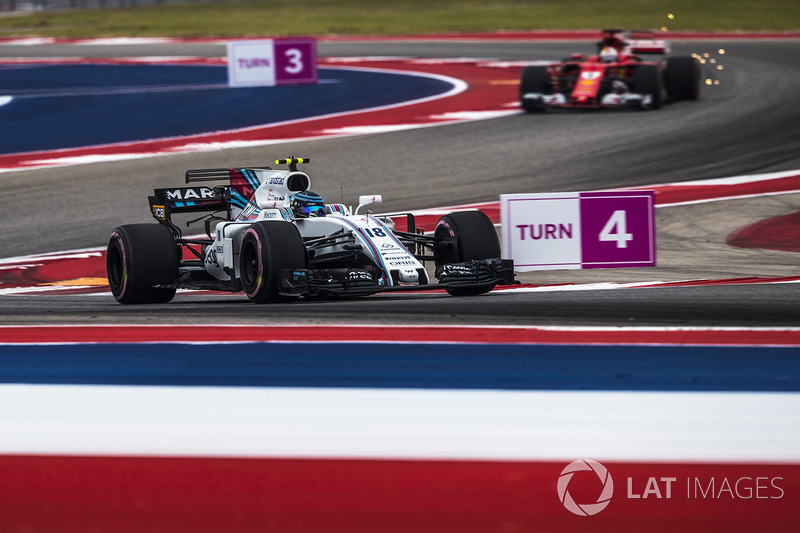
(276, 240)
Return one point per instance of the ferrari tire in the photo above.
(535, 79)
(647, 81)
(139, 257)
(682, 77)
(267, 248)
(468, 235)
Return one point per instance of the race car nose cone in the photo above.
(409, 276)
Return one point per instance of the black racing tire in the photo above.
(682, 78)
(469, 235)
(267, 248)
(139, 257)
(647, 80)
(535, 79)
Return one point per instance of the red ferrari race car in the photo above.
(614, 77)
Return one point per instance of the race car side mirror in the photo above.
(367, 200)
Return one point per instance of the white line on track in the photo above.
(396, 423)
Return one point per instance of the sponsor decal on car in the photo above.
(200, 193)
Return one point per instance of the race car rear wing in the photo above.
(165, 202)
(645, 42)
(642, 46)
(242, 182)
(207, 174)
(238, 190)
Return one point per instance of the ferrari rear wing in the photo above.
(648, 47)
(645, 42)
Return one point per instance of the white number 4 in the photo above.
(615, 230)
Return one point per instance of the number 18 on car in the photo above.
(608, 229)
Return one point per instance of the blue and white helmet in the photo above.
(307, 204)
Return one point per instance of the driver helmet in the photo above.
(307, 204)
(608, 54)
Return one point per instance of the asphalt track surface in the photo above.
(745, 125)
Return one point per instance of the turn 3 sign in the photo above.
(269, 62)
(608, 229)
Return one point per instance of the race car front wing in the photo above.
(614, 100)
(362, 281)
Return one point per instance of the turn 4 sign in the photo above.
(609, 229)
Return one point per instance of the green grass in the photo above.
(393, 17)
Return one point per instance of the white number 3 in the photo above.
(615, 230)
(294, 57)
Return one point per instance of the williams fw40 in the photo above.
(276, 240)
(616, 76)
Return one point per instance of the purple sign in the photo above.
(617, 229)
(609, 229)
(268, 62)
(295, 61)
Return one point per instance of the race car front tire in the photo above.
(139, 257)
(647, 81)
(535, 79)
(467, 235)
(267, 248)
(682, 77)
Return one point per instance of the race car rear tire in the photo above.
(682, 78)
(139, 257)
(647, 80)
(468, 235)
(267, 248)
(535, 79)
